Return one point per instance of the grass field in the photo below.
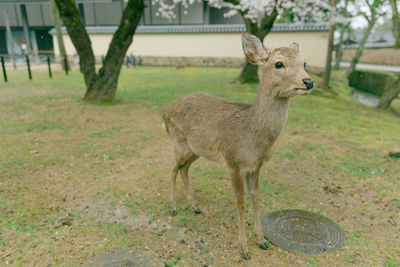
(79, 179)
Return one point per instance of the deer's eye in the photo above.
(305, 65)
(278, 65)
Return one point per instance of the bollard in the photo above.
(48, 63)
(4, 69)
(66, 65)
(29, 67)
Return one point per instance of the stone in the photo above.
(181, 62)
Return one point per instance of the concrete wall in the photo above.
(313, 45)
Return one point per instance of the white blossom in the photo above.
(318, 10)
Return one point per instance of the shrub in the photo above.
(373, 82)
(386, 85)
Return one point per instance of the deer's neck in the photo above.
(269, 115)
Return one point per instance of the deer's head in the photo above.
(281, 70)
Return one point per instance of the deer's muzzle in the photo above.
(308, 83)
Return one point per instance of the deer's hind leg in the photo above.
(183, 158)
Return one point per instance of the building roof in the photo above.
(220, 28)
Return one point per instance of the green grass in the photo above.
(107, 167)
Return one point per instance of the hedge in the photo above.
(373, 82)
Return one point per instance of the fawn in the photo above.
(239, 135)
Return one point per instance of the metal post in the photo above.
(4, 69)
(48, 63)
(29, 67)
(66, 65)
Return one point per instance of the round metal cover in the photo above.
(302, 231)
(125, 258)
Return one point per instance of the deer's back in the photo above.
(209, 124)
(203, 111)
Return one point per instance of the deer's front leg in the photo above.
(238, 188)
(252, 187)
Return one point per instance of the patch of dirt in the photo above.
(333, 189)
(104, 212)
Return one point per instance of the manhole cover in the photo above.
(125, 258)
(302, 231)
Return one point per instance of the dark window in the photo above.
(44, 41)
(3, 42)
(82, 13)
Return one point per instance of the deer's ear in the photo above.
(253, 49)
(295, 46)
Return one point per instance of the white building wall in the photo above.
(313, 45)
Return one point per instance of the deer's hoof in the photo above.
(246, 256)
(197, 211)
(264, 245)
(174, 213)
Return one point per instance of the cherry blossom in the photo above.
(254, 10)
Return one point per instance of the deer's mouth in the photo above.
(303, 91)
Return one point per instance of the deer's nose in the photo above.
(309, 83)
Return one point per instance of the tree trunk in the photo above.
(360, 48)
(103, 89)
(339, 48)
(249, 72)
(69, 14)
(107, 80)
(101, 86)
(396, 23)
(328, 62)
(389, 95)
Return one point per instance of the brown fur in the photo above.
(241, 136)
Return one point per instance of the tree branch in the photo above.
(267, 23)
(122, 38)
